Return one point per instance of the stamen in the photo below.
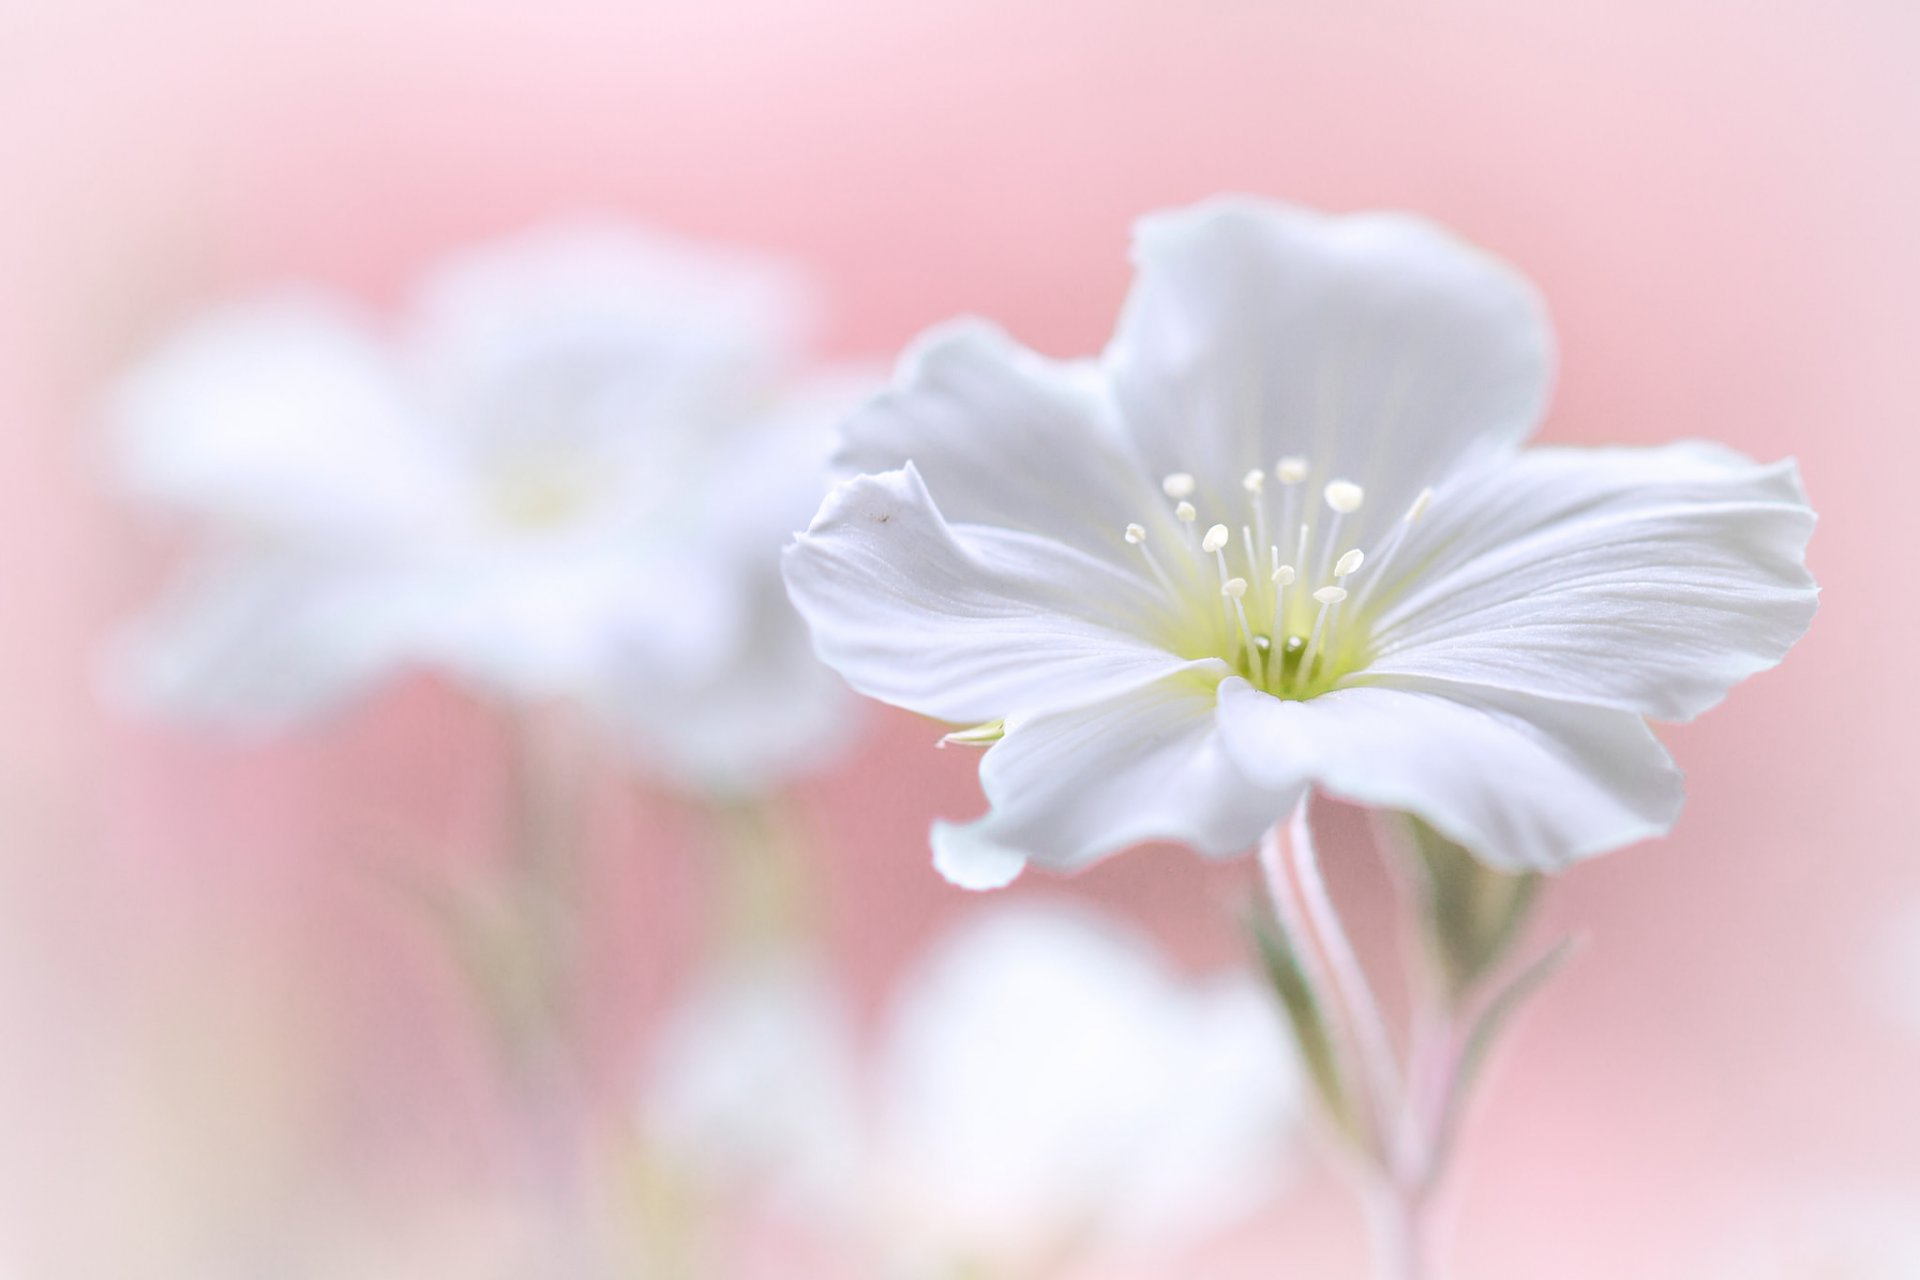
(1419, 507)
(1328, 598)
(1137, 535)
(1254, 481)
(1349, 562)
(1234, 589)
(1186, 515)
(1291, 472)
(1395, 537)
(1283, 576)
(1216, 538)
(1344, 496)
(1178, 485)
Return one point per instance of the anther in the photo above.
(1136, 534)
(1254, 481)
(1178, 485)
(1349, 562)
(1234, 587)
(1283, 576)
(1291, 470)
(1344, 496)
(1215, 538)
(1185, 512)
(1330, 595)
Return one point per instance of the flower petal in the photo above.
(1069, 787)
(1043, 1072)
(1377, 346)
(1651, 580)
(284, 415)
(1007, 438)
(598, 333)
(964, 631)
(253, 644)
(1522, 782)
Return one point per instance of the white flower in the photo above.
(565, 471)
(1282, 534)
(1041, 1083)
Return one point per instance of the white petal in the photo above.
(1044, 1076)
(771, 713)
(754, 1084)
(965, 632)
(1647, 579)
(1069, 787)
(284, 415)
(1520, 781)
(1005, 437)
(595, 333)
(548, 620)
(258, 643)
(1377, 346)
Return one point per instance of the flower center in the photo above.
(1279, 600)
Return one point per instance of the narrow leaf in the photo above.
(1483, 1034)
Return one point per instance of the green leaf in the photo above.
(1310, 1032)
(1472, 913)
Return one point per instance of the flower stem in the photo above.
(1405, 1112)
(1402, 1223)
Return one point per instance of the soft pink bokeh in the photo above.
(200, 951)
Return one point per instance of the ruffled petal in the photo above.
(965, 631)
(1069, 787)
(1520, 781)
(1006, 438)
(1652, 580)
(1376, 346)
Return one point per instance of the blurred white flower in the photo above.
(1282, 534)
(564, 472)
(1041, 1085)
(1827, 1235)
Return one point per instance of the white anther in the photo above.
(1177, 485)
(1185, 512)
(1136, 534)
(1254, 481)
(1291, 470)
(1234, 587)
(1419, 507)
(1330, 595)
(1283, 576)
(1344, 496)
(1215, 539)
(1349, 562)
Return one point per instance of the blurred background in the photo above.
(239, 1035)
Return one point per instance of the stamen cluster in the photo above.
(1289, 623)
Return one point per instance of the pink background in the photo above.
(215, 1020)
